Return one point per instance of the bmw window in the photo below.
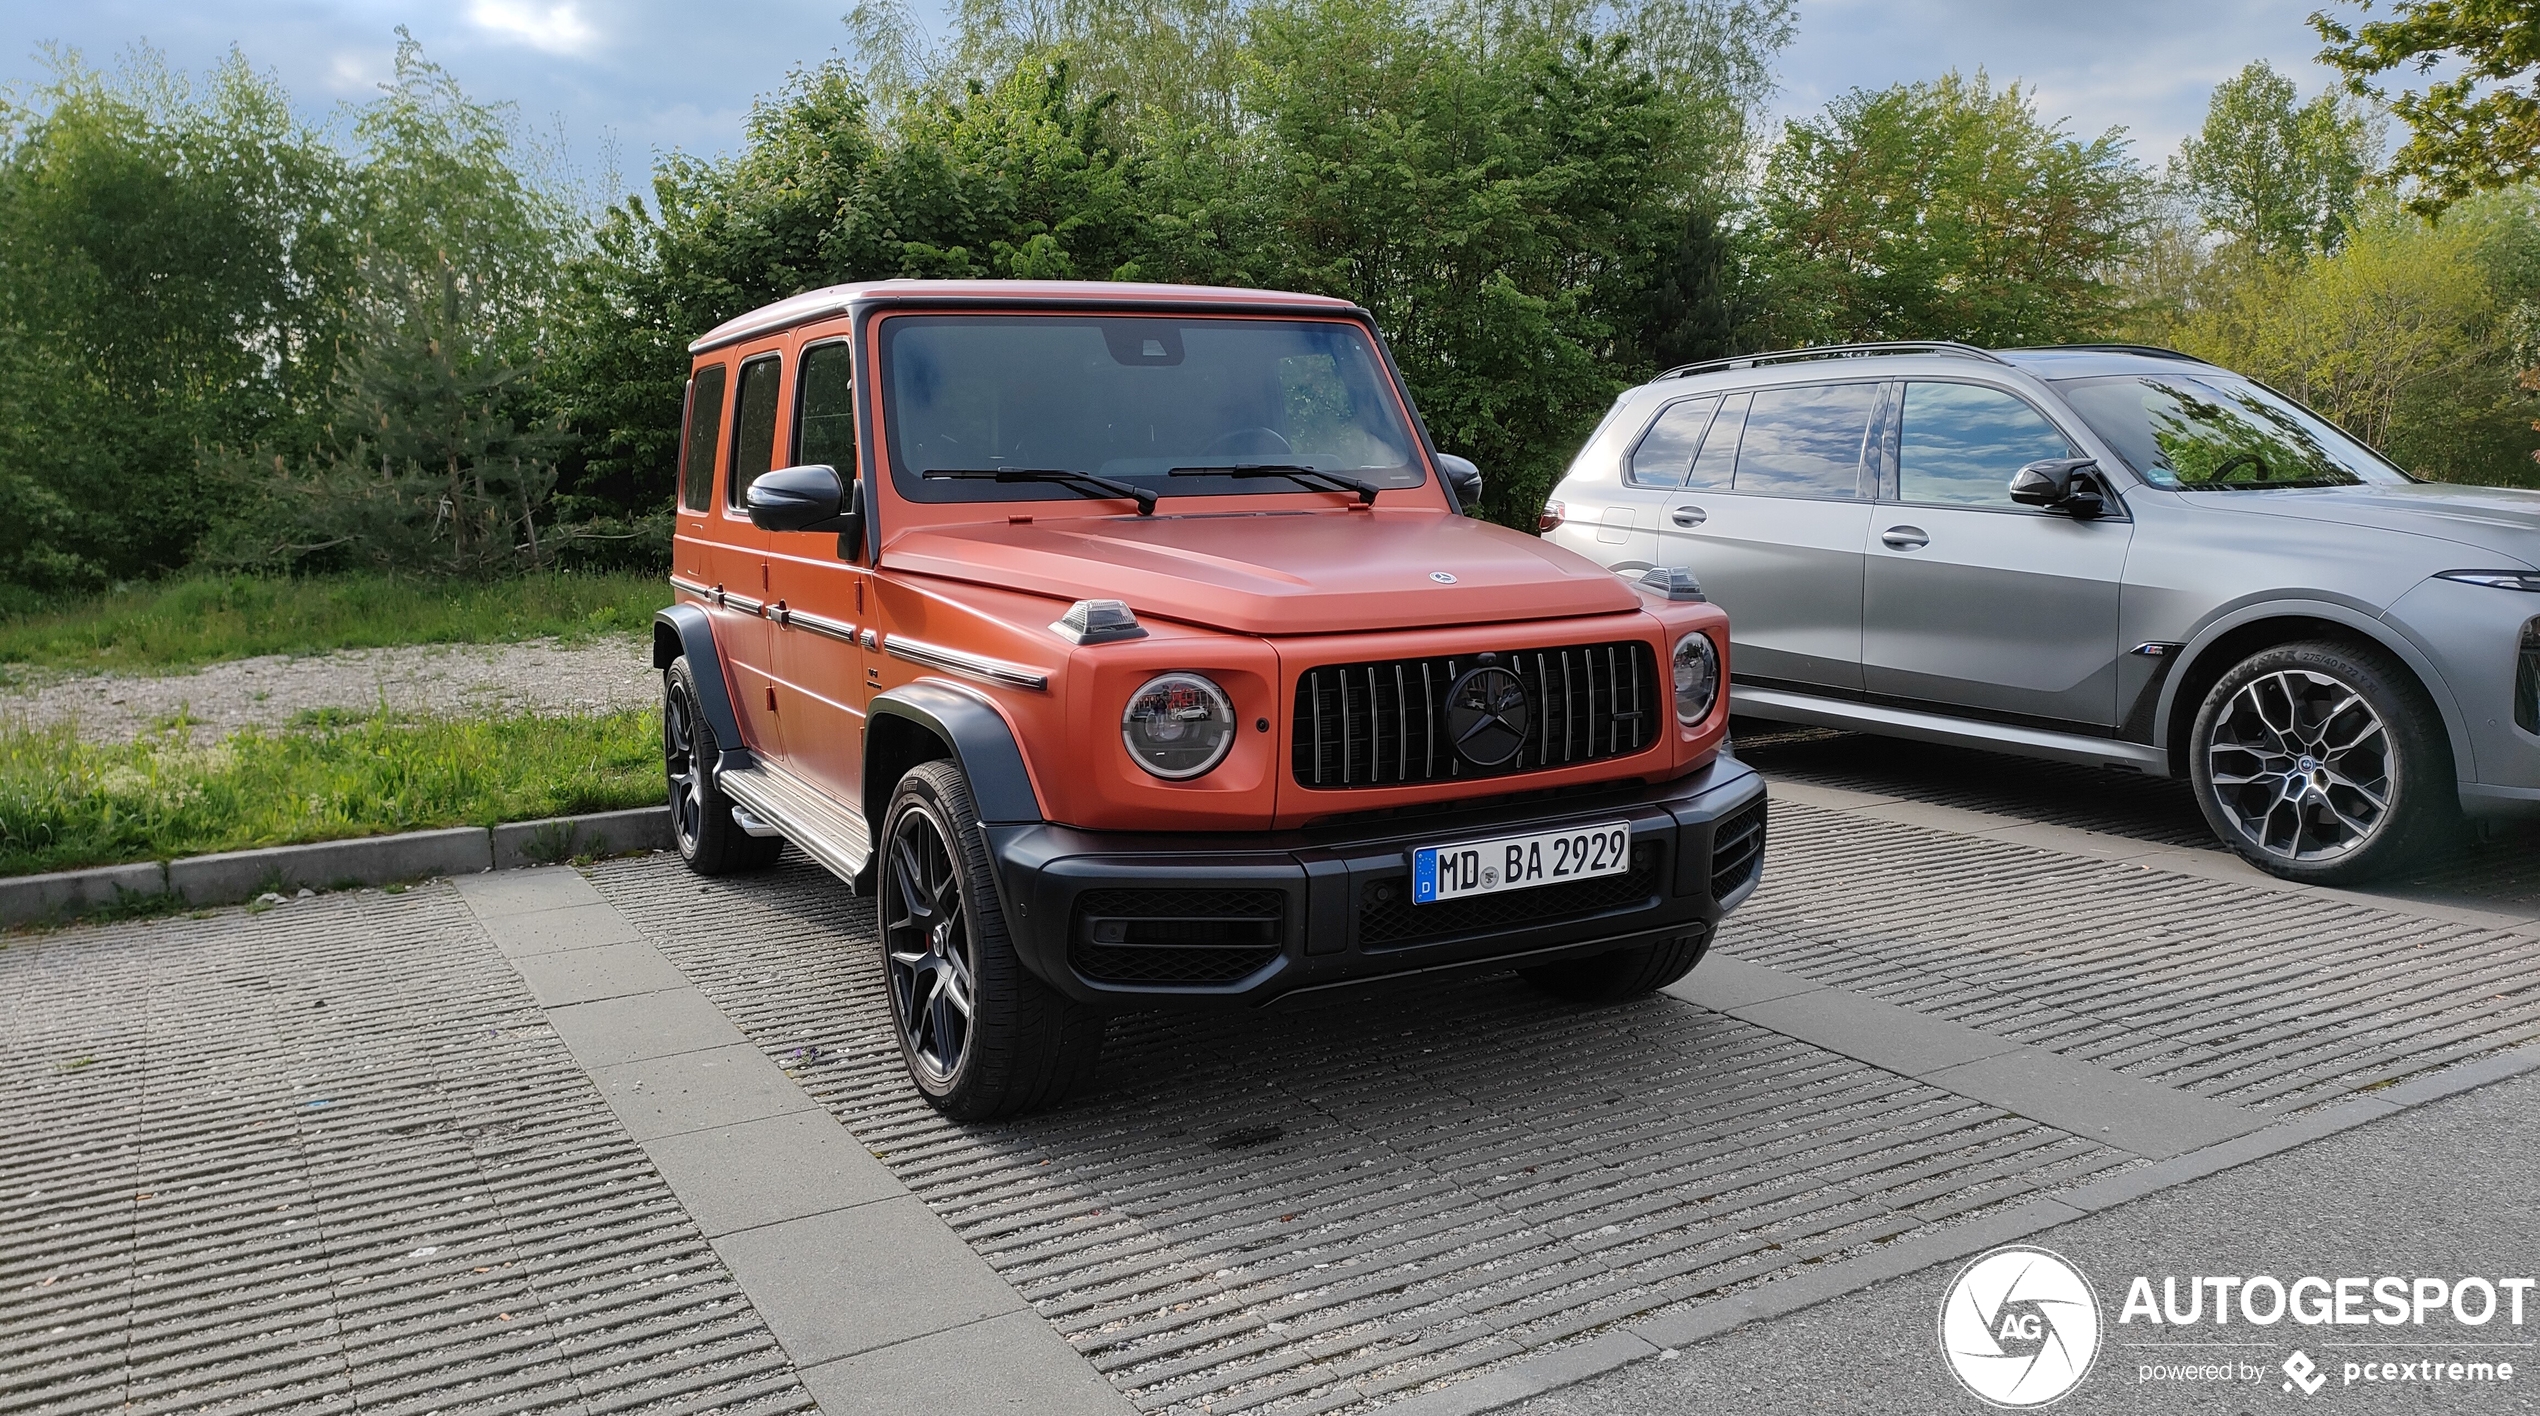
(2215, 433)
(1666, 451)
(1961, 443)
(1805, 441)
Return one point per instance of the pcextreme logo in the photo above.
(2019, 1327)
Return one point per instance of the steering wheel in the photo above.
(2235, 460)
(1246, 442)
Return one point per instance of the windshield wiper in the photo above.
(1294, 471)
(1053, 476)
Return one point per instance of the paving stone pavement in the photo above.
(587, 1141)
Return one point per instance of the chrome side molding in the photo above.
(978, 666)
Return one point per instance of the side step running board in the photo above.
(770, 801)
(1782, 705)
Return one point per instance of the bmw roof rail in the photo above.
(1838, 351)
(2153, 351)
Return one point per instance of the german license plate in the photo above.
(1519, 862)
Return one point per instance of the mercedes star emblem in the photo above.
(1486, 716)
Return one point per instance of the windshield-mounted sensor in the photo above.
(1098, 622)
(1672, 583)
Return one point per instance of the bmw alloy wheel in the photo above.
(927, 946)
(2300, 765)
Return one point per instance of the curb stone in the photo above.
(233, 877)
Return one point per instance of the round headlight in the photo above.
(1697, 678)
(1178, 725)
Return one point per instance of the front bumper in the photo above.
(1137, 919)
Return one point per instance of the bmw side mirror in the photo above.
(1465, 476)
(2065, 484)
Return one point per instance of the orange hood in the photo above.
(1318, 572)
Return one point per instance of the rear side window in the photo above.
(1806, 441)
(1666, 451)
(1961, 444)
(753, 427)
(824, 409)
(1713, 466)
(696, 455)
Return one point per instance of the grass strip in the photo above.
(196, 620)
(65, 804)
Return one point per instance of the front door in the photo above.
(1770, 520)
(824, 589)
(1978, 604)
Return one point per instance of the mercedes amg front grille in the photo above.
(1392, 723)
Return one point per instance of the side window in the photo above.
(1962, 443)
(824, 409)
(1806, 441)
(753, 427)
(1712, 466)
(696, 454)
(1666, 450)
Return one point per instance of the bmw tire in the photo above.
(2323, 762)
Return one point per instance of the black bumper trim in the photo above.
(1043, 870)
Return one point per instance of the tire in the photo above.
(1019, 1045)
(700, 814)
(2323, 762)
(1619, 974)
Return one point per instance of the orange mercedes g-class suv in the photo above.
(1131, 645)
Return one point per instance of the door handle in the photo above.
(1904, 538)
(1687, 516)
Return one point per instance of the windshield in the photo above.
(2215, 433)
(1133, 400)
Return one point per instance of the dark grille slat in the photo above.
(1737, 851)
(1348, 729)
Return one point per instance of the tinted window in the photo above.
(824, 409)
(1805, 442)
(1666, 450)
(1962, 443)
(705, 419)
(1712, 466)
(2215, 433)
(1139, 400)
(753, 427)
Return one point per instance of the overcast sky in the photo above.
(627, 79)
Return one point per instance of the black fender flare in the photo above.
(980, 740)
(685, 630)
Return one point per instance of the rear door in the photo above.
(1976, 603)
(1770, 520)
(742, 630)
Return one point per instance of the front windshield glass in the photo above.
(2215, 433)
(1134, 399)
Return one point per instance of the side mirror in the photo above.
(2066, 484)
(811, 498)
(1466, 478)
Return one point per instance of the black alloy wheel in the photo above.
(700, 815)
(926, 948)
(982, 1037)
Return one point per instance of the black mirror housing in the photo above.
(2066, 484)
(811, 498)
(1465, 476)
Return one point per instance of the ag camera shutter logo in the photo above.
(2019, 1327)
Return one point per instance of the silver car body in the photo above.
(2030, 631)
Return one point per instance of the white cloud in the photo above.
(557, 28)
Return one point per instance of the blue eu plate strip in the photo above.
(1424, 876)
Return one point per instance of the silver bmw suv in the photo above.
(2110, 555)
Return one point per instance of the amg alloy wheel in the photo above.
(2321, 762)
(926, 948)
(700, 815)
(982, 1037)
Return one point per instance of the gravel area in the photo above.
(451, 680)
